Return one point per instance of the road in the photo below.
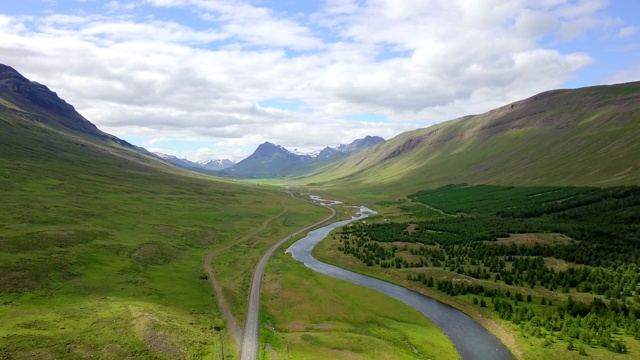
(229, 319)
(250, 349)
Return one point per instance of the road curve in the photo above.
(251, 334)
(229, 319)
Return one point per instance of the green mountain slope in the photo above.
(588, 136)
(101, 245)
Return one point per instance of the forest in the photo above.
(582, 242)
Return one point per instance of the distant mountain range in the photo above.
(587, 136)
(213, 165)
(359, 144)
(271, 160)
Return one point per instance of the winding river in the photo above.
(471, 339)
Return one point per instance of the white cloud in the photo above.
(579, 9)
(573, 29)
(114, 6)
(135, 75)
(255, 25)
(626, 75)
(535, 24)
(627, 31)
(340, 6)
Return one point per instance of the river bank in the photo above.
(471, 339)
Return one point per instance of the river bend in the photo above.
(472, 341)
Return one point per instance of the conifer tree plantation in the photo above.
(559, 265)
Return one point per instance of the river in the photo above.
(472, 341)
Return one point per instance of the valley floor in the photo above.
(542, 307)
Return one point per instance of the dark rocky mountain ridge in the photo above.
(47, 107)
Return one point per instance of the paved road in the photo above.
(229, 319)
(250, 349)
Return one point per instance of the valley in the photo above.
(102, 257)
(524, 218)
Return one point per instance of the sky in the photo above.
(213, 79)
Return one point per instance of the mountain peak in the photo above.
(328, 152)
(271, 160)
(40, 100)
(359, 144)
(218, 164)
(24, 90)
(7, 72)
(268, 149)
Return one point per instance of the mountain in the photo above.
(219, 164)
(101, 246)
(270, 160)
(587, 136)
(212, 165)
(360, 144)
(26, 103)
(19, 93)
(183, 163)
(329, 153)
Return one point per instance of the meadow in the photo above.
(101, 248)
(234, 266)
(101, 254)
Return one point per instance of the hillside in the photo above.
(101, 245)
(28, 99)
(588, 136)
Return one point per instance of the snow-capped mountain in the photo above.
(219, 164)
(271, 160)
(204, 165)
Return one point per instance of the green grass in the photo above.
(101, 248)
(234, 266)
(101, 256)
(307, 315)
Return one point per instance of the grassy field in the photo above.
(307, 315)
(101, 249)
(101, 253)
(234, 266)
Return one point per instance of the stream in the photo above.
(472, 341)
